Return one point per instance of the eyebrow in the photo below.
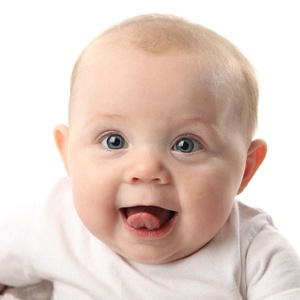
(196, 119)
(181, 121)
(213, 127)
(104, 115)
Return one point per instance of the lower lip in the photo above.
(147, 234)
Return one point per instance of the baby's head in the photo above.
(161, 119)
(223, 67)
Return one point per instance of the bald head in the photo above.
(227, 71)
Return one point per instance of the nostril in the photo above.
(136, 179)
(147, 170)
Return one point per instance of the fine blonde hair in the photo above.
(230, 73)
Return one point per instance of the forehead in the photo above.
(114, 77)
(139, 85)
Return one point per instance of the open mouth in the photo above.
(147, 218)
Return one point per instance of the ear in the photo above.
(61, 135)
(256, 155)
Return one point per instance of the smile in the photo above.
(148, 222)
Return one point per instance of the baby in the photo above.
(162, 116)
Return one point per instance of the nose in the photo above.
(147, 167)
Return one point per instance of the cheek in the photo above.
(205, 209)
(208, 202)
(94, 195)
(88, 173)
(95, 207)
(208, 195)
(207, 183)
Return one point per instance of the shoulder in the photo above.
(20, 231)
(250, 222)
(271, 265)
(57, 219)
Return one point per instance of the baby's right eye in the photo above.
(114, 142)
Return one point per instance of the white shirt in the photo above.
(247, 259)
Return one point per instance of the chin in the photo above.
(149, 256)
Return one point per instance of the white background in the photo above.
(40, 41)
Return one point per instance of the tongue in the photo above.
(148, 217)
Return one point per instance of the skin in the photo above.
(155, 104)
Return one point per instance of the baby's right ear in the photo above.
(61, 136)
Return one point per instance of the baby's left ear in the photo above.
(256, 155)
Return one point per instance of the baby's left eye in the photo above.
(187, 145)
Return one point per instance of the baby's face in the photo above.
(154, 160)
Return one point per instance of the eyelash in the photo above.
(184, 144)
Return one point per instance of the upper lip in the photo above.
(149, 197)
(148, 208)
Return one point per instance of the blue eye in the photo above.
(186, 145)
(114, 142)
